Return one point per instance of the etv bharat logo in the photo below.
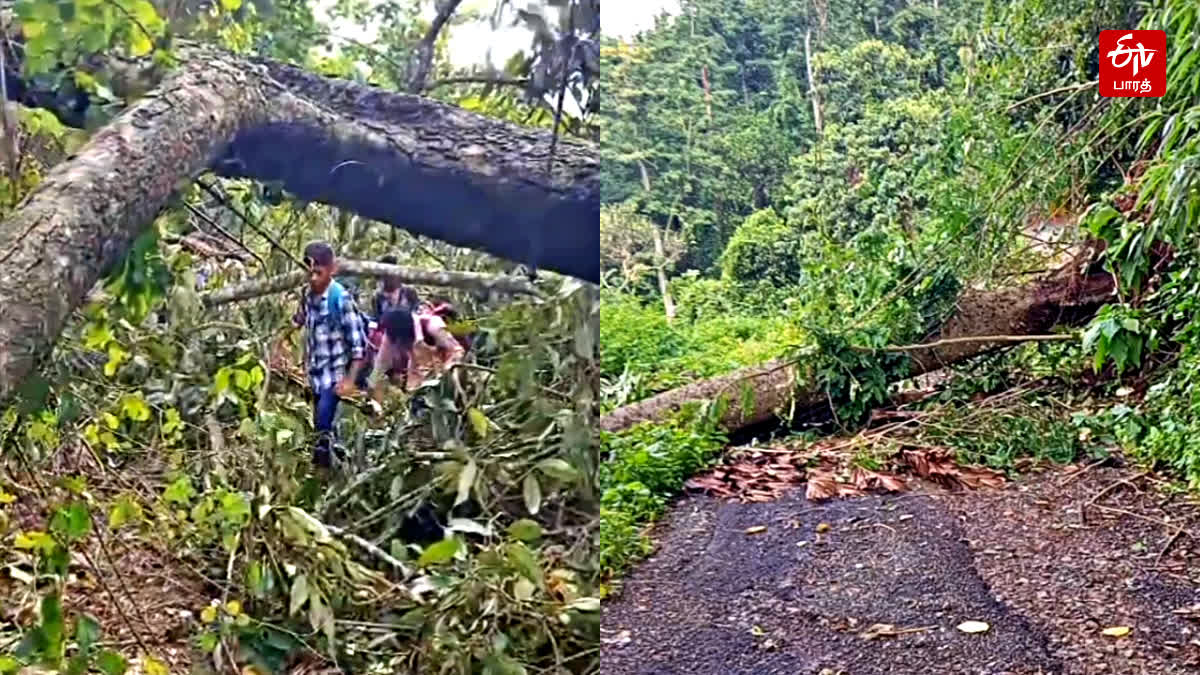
(1133, 63)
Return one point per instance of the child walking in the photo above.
(416, 346)
(334, 347)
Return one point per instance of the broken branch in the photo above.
(364, 268)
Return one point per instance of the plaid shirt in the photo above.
(329, 352)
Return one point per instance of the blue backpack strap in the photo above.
(333, 302)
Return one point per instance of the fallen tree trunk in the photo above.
(777, 386)
(364, 268)
(427, 167)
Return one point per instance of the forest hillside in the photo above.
(808, 204)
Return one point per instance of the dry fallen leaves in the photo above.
(937, 464)
(973, 627)
(763, 474)
(752, 476)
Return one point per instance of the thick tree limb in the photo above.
(427, 167)
(999, 315)
(363, 268)
(417, 164)
(431, 169)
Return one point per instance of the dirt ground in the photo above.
(1048, 562)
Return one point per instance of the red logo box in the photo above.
(1133, 63)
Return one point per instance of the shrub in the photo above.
(645, 467)
(763, 248)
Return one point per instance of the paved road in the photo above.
(798, 598)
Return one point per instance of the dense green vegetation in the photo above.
(158, 507)
(940, 146)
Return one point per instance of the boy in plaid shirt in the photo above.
(334, 346)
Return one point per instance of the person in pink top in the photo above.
(415, 347)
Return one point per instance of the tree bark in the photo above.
(417, 164)
(776, 386)
(812, 85)
(426, 167)
(366, 268)
(660, 268)
(660, 254)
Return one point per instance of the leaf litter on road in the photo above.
(827, 470)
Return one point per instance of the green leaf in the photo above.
(34, 391)
(1090, 336)
(254, 579)
(1118, 353)
(173, 421)
(221, 380)
(522, 559)
(73, 521)
(235, 508)
(145, 13)
(179, 492)
(532, 492)
(299, 594)
(558, 469)
(34, 540)
(208, 641)
(152, 666)
(77, 665)
(241, 379)
(87, 633)
(523, 589)
(466, 481)
(116, 356)
(134, 407)
(111, 663)
(479, 422)
(525, 530)
(32, 30)
(124, 511)
(438, 553)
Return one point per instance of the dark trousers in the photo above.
(325, 404)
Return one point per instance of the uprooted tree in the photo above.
(983, 322)
(426, 167)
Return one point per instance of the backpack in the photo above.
(333, 303)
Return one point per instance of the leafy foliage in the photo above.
(644, 467)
